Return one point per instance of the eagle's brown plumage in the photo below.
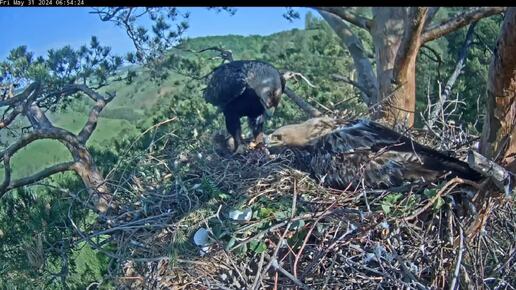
(343, 154)
(245, 88)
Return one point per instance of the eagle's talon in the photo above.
(259, 146)
(240, 150)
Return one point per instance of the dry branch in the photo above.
(225, 54)
(47, 172)
(443, 96)
(450, 25)
(345, 14)
(366, 76)
(501, 177)
(306, 107)
(23, 96)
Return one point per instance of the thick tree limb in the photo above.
(48, 133)
(91, 124)
(82, 164)
(75, 88)
(7, 120)
(411, 40)
(351, 82)
(345, 14)
(459, 21)
(47, 172)
(366, 77)
(443, 96)
(23, 96)
(501, 177)
(7, 173)
(306, 107)
(37, 117)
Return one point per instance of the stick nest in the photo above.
(300, 235)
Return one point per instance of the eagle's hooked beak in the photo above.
(269, 112)
(269, 108)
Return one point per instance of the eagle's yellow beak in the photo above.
(273, 140)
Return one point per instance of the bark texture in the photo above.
(398, 33)
(499, 136)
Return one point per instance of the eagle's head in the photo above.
(270, 99)
(302, 134)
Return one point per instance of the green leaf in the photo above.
(393, 197)
(280, 215)
(386, 208)
(231, 243)
(265, 212)
(430, 192)
(298, 224)
(223, 195)
(438, 203)
(257, 246)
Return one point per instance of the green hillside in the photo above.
(136, 103)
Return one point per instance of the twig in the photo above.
(276, 250)
(277, 226)
(459, 260)
(446, 188)
(288, 75)
(258, 271)
(308, 234)
(296, 281)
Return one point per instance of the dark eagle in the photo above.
(340, 155)
(248, 88)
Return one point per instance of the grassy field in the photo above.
(132, 104)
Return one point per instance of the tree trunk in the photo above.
(399, 99)
(366, 78)
(499, 136)
(387, 33)
(95, 183)
(397, 38)
(398, 33)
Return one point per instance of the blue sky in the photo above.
(45, 28)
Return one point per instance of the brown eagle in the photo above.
(344, 154)
(249, 88)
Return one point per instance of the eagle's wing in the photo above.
(366, 150)
(227, 82)
(362, 134)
